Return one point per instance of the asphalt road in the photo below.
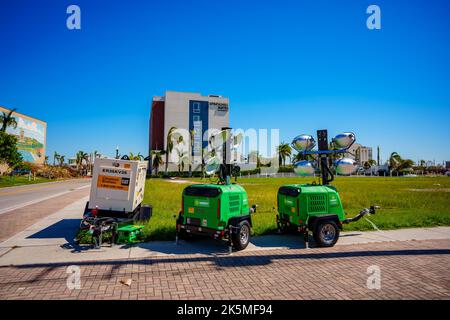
(14, 198)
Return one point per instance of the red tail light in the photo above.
(218, 209)
(94, 212)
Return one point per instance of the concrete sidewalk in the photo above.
(51, 241)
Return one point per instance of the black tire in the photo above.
(241, 235)
(282, 228)
(326, 233)
(186, 236)
(136, 215)
(145, 212)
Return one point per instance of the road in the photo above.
(17, 197)
(22, 206)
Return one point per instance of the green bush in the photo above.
(8, 150)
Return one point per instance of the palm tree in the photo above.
(252, 155)
(284, 150)
(157, 159)
(300, 156)
(394, 161)
(56, 157)
(169, 147)
(406, 165)
(61, 161)
(205, 154)
(138, 157)
(334, 156)
(398, 164)
(181, 157)
(191, 145)
(81, 155)
(368, 164)
(8, 120)
(95, 154)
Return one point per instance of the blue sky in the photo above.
(294, 65)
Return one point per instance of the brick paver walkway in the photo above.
(413, 270)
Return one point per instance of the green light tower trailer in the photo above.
(219, 211)
(317, 207)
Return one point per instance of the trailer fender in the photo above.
(313, 221)
(236, 220)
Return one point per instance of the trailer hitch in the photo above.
(361, 214)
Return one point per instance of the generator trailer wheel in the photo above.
(326, 233)
(241, 236)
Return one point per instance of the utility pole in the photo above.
(378, 155)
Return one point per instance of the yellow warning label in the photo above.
(191, 210)
(115, 183)
(293, 210)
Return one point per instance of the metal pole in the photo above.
(225, 157)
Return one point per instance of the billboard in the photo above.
(31, 136)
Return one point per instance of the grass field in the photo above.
(18, 181)
(405, 202)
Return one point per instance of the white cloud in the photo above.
(30, 126)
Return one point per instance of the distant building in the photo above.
(72, 162)
(188, 111)
(361, 154)
(430, 163)
(447, 165)
(31, 136)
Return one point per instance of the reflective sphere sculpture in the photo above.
(304, 168)
(345, 166)
(303, 142)
(344, 140)
(212, 165)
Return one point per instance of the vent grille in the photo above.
(234, 203)
(317, 203)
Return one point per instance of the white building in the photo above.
(186, 111)
(361, 154)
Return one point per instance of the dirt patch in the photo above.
(179, 181)
(431, 190)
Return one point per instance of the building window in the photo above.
(196, 107)
(196, 118)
